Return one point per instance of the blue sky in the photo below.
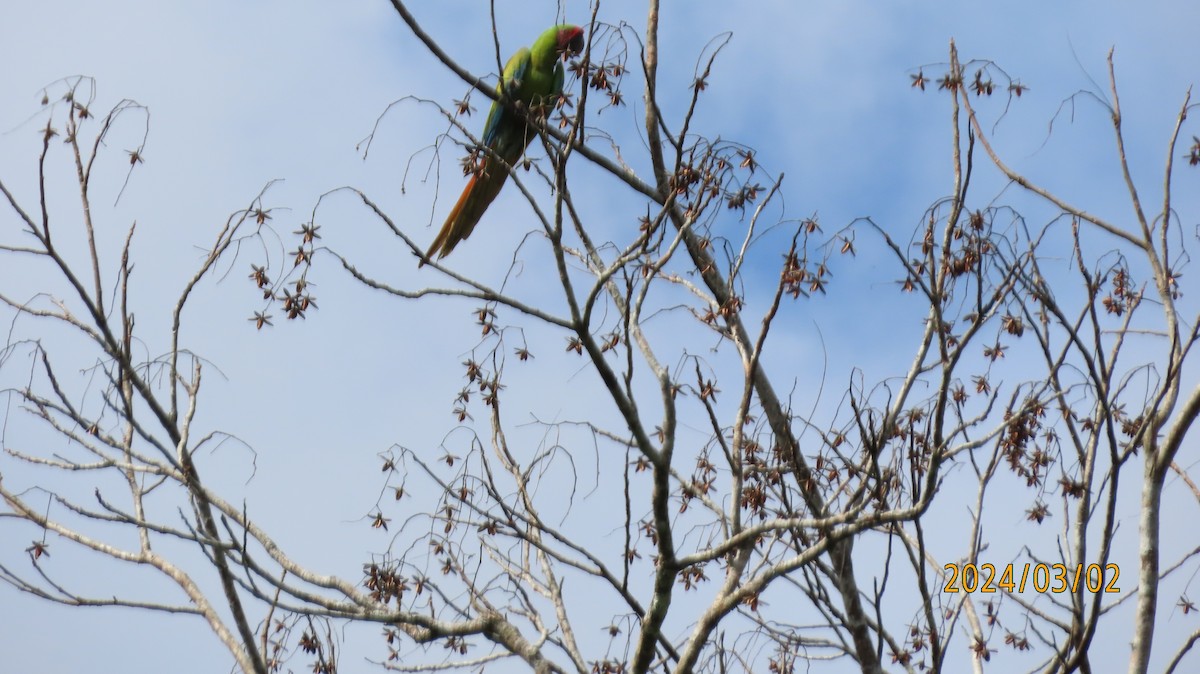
(243, 93)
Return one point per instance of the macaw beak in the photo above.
(572, 43)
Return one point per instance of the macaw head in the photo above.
(568, 41)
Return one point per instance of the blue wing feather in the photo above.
(514, 73)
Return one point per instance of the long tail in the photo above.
(476, 197)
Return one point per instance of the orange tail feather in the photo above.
(475, 199)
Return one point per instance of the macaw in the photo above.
(533, 76)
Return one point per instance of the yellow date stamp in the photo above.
(1041, 578)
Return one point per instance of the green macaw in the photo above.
(532, 77)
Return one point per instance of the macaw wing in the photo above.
(558, 80)
(510, 85)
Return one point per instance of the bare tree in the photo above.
(714, 510)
